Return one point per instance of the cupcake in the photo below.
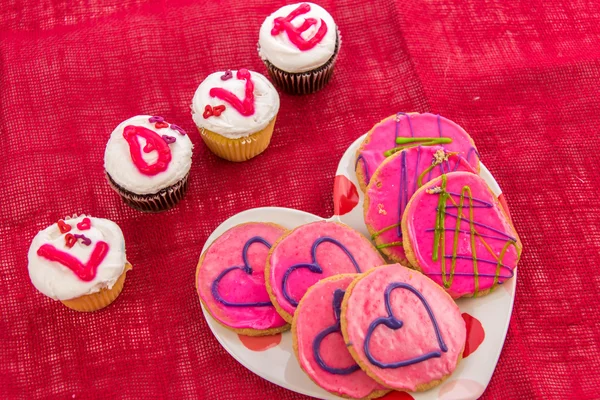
(230, 280)
(147, 161)
(299, 44)
(79, 261)
(235, 112)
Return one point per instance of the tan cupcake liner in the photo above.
(157, 202)
(99, 300)
(241, 149)
(305, 82)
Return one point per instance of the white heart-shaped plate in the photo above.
(273, 359)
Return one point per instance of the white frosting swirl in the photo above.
(284, 54)
(120, 166)
(231, 124)
(60, 283)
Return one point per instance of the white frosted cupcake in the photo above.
(147, 161)
(235, 112)
(299, 44)
(79, 261)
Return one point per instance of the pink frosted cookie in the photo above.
(310, 253)
(319, 345)
(455, 231)
(392, 186)
(402, 131)
(231, 282)
(402, 328)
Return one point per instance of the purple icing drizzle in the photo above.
(168, 139)
(314, 266)
(365, 166)
(338, 296)
(84, 239)
(394, 323)
(156, 119)
(178, 129)
(247, 269)
(464, 219)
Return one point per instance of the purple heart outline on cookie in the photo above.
(338, 296)
(245, 268)
(314, 266)
(392, 322)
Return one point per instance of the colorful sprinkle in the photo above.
(168, 139)
(156, 119)
(178, 129)
(210, 111)
(160, 125)
(84, 225)
(84, 239)
(70, 240)
(227, 75)
(63, 227)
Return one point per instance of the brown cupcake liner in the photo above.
(305, 82)
(153, 203)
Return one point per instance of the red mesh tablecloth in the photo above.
(522, 79)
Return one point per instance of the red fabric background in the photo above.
(522, 79)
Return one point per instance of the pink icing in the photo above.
(416, 336)
(296, 248)
(421, 216)
(238, 286)
(314, 315)
(382, 138)
(389, 193)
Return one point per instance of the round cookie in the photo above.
(230, 280)
(405, 130)
(79, 261)
(392, 186)
(319, 345)
(468, 258)
(310, 253)
(402, 329)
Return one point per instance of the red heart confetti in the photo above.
(70, 240)
(63, 227)
(210, 111)
(84, 225)
(148, 147)
(160, 125)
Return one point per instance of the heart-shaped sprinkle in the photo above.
(227, 75)
(208, 112)
(84, 225)
(70, 240)
(156, 119)
(178, 129)
(168, 139)
(218, 110)
(84, 239)
(160, 125)
(63, 227)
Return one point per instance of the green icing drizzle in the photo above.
(406, 143)
(440, 237)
